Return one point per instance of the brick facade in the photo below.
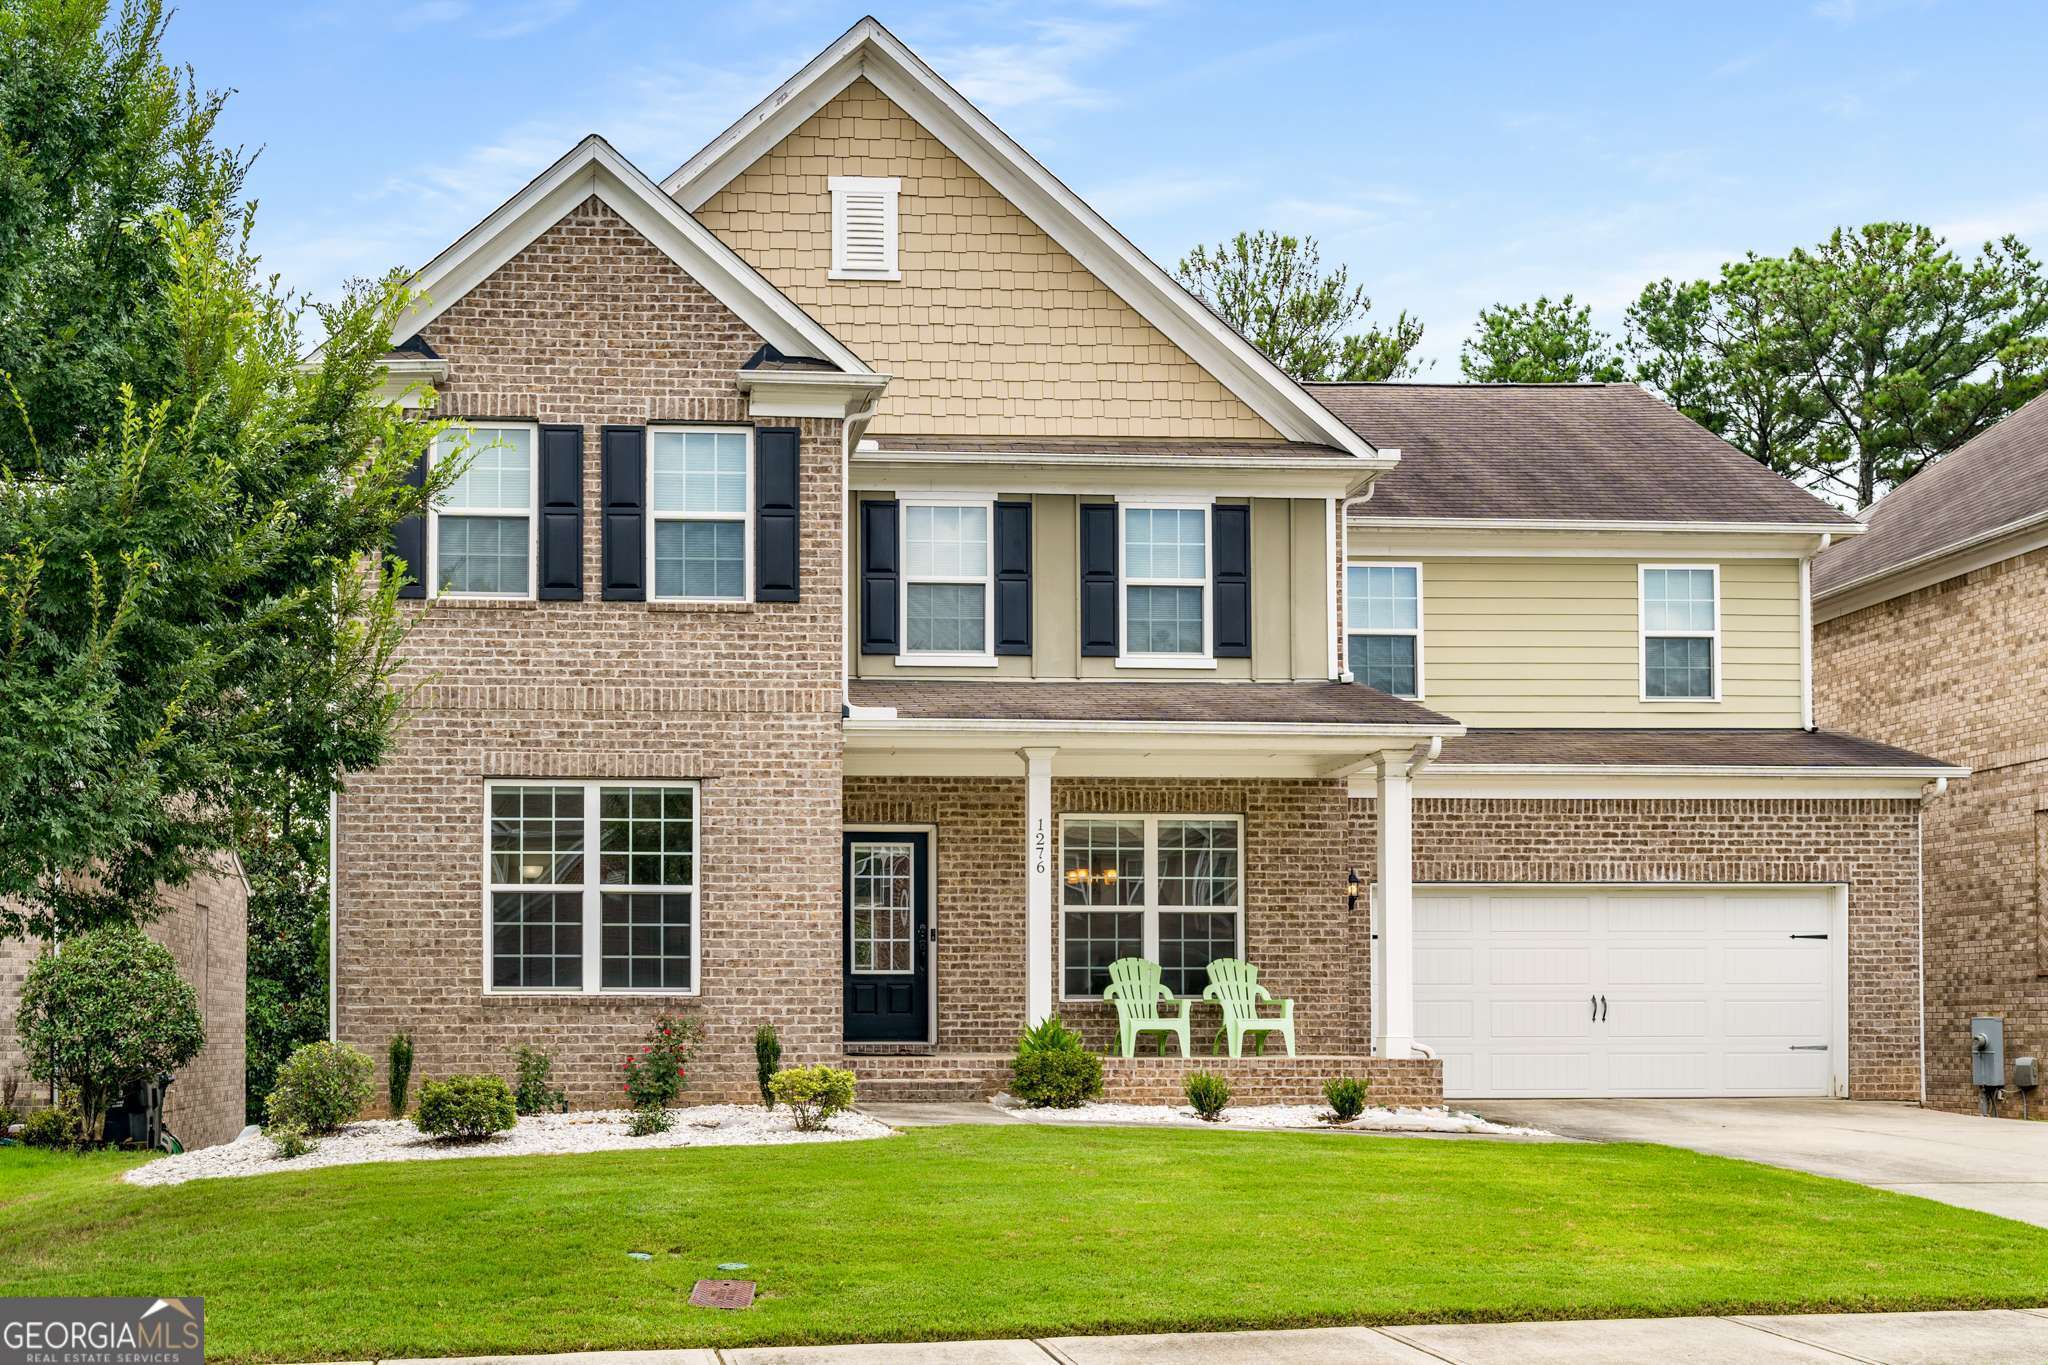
(1893, 671)
(206, 928)
(591, 324)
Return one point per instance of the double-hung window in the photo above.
(701, 487)
(591, 887)
(482, 541)
(1166, 583)
(1168, 888)
(1681, 627)
(1383, 626)
(947, 594)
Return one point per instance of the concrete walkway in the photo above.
(1995, 1338)
(1996, 1165)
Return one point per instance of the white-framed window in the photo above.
(1164, 568)
(1165, 887)
(1383, 626)
(948, 583)
(700, 497)
(864, 231)
(591, 887)
(480, 540)
(1680, 612)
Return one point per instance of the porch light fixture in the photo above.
(1081, 876)
(1351, 889)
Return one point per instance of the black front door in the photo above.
(888, 933)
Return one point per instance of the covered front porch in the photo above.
(1005, 842)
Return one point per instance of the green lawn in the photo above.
(997, 1231)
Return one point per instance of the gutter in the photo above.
(1179, 729)
(1936, 773)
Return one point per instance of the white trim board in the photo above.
(594, 167)
(871, 51)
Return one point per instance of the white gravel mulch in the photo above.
(1373, 1120)
(710, 1125)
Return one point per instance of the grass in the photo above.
(995, 1231)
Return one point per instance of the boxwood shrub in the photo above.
(467, 1108)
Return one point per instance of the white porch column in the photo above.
(1038, 845)
(1393, 1026)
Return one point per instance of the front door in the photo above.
(888, 932)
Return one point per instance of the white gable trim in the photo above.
(867, 49)
(594, 166)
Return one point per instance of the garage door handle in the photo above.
(1603, 1009)
(1594, 1001)
(1809, 936)
(1809, 1047)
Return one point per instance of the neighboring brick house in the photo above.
(206, 927)
(1932, 631)
(882, 597)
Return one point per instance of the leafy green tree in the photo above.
(1540, 343)
(284, 857)
(107, 1011)
(1273, 291)
(191, 636)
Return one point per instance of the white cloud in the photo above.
(1041, 71)
(497, 21)
(2024, 217)
(1158, 192)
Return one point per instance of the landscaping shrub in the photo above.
(320, 1087)
(1053, 1070)
(535, 1095)
(399, 1079)
(107, 1010)
(1346, 1095)
(465, 1107)
(288, 1140)
(658, 1074)
(1208, 1093)
(767, 1061)
(813, 1093)
(8, 1118)
(59, 1127)
(650, 1120)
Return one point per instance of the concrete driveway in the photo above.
(1997, 1165)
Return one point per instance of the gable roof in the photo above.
(594, 167)
(871, 51)
(1993, 485)
(1562, 452)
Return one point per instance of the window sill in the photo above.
(487, 603)
(946, 661)
(863, 275)
(593, 996)
(1167, 661)
(703, 606)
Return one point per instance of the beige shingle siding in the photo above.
(994, 329)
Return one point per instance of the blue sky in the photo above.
(1451, 155)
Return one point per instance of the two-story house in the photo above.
(881, 598)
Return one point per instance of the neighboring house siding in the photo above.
(591, 325)
(206, 928)
(1958, 670)
(1290, 601)
(993, 328)
(1555, 642)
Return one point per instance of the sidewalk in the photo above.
(2008, 1337)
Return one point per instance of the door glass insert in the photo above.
(883, 907)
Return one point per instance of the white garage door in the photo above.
(1525, 991)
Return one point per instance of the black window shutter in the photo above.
(1013, 578)
(625, 513)
(1098, 579)
(1232, 575)
(561, 514)
(775, 514)
(878, 540)
(409, 540)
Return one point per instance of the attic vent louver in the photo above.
(864, 227)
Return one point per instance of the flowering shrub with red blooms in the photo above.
(656, 1076)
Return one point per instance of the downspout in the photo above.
(849, 436)
(333, 932)
(1337, 641)
(1806, 629)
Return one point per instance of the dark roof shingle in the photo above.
(1308, 703)
(1996, 480)
(1582, 452)
(1679, 748)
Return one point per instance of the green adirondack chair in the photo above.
(1135, 991)
(1234, 986)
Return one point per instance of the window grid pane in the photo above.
(1382, 597)
(645, 940)
(945, 618)
(702, 472)
(1091, 940)
(645, 836)
(537, 836)
(1103, 862)
(1681, 667)
(1198, 863)
(1165, 620)
(884, 908)
(945, 542)
(700, 559)
(482, 554)
(537, 940)
(1386, 662)
(500, 470)
(1166, 542)
(1678, 600)
(1188, 943)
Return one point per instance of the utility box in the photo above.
(1987, 1052)
(2026, 1072)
